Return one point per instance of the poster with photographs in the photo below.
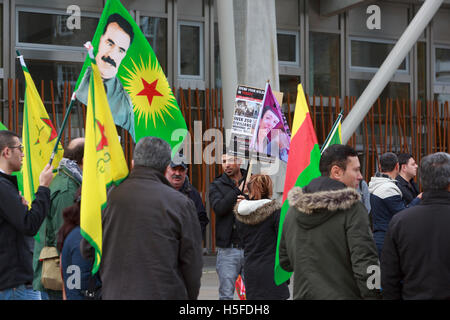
(246, 112)
(259, 130)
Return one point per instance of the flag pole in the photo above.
(66, 117)
(330, 134)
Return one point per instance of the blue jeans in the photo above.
(229, 264)
(21, 292)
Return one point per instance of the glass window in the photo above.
(51, 29)
(155, 30)
(287, 44)
(369, 55)
(190, 49)
(392, 90)
(442, 65)
(324, 64)
(59, 72)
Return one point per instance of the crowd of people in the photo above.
(337, 230)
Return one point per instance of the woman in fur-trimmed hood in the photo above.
(327, 243)
(257, 223)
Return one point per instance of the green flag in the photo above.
(335, 135)
(2, 127)
(139, 95)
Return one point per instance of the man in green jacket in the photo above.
(326, 239)
(62, 191)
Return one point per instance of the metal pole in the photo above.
(388, 68)
(228, 66)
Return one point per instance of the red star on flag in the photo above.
(53, 133)
(103, 141)
(150, 90)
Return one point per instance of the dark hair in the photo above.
(7, 139)
(335, 155)
(388, 161)
(434, 171)
(76, 153)
(71, 219)
(152, 152)
(122, 22)
(403, 159)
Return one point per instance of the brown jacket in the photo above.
(152, 242)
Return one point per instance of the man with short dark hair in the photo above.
(326, 239)
(385, 197)
(405, 177)
(17, 222)
(415, 261)
(62, 191)
(223, 194)
(176, 175)
(152, 243)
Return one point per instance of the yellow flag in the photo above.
(38, 138)
(104, 162)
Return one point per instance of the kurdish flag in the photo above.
(38, 138)
(138, 92)
(335, 135)
(104, 162)
(302, 166)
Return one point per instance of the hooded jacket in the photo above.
(327, 243)
(257, 224)
(386, 199)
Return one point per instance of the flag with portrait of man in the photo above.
(138, 93)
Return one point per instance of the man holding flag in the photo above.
(17, 221)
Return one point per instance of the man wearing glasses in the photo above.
(17, 222)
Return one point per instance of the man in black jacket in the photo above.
(223, 194)
(176, 175)
(415, 260)
(405, 178)
(17, 222)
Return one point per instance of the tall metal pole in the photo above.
(388, 68)
(228, 66)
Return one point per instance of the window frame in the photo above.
(199, 24)
(297, 62)
(47, 47)
(371, 69)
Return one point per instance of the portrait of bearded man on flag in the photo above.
(112, 48)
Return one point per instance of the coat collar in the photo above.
(263, 211)
(331, 200)
(148, 173)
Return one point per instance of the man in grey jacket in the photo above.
(152, 242)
